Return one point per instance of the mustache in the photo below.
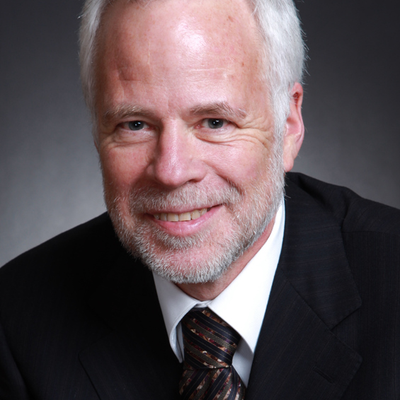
(192, 196)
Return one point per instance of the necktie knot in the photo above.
(209, 344)
(209, 341)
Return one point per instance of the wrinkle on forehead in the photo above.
(191, 27)
(180, 47)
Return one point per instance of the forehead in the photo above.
(185, 35)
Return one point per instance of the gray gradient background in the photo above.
(49, 174)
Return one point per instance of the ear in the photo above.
(294, 134)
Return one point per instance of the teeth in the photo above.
(173, 217)
(195, 214)
(187, 216)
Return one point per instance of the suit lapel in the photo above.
(297, 355)
(134, 360)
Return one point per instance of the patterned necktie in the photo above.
(209, 344)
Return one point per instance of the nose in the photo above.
(177, 159)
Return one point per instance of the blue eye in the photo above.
(215, 123)
(136, 125)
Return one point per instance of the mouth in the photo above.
(186, 216)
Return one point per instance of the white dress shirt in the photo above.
(242, 304)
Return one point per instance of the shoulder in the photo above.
(352, 212)
(331, 221)
(77, 257)
(77, 242)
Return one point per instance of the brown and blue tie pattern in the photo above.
(209, 344)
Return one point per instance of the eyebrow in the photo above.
(222, 109)
(127, 111)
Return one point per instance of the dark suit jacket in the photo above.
(80, 319)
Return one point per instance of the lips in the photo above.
(186, 216)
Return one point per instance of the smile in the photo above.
(186, 216)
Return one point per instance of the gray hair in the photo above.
(284, 51)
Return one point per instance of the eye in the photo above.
(214, 123)
(135, 125)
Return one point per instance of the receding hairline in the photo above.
(257, 40)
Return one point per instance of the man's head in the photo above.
(282, 47)
(188, 127)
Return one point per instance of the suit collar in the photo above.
(297, 355)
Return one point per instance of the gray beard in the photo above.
(159, 250)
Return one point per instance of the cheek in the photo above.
(243, 165)
(121, 169)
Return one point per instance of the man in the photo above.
(197, 118)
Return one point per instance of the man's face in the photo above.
(192, 172)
